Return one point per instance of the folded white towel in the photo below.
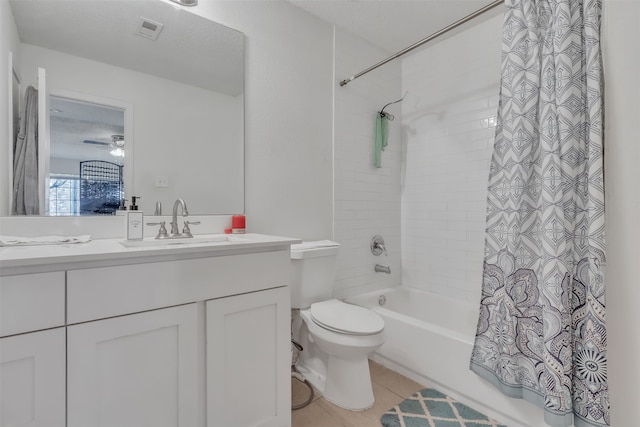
(305, 246)
(42, 240)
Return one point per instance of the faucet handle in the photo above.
(162, 233)
(186, 230)
(377, 246)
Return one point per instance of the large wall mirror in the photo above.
(150, 90)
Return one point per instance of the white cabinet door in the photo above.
(249, 360)
(139, 370)
(32, 379)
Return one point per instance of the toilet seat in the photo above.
(343, 318)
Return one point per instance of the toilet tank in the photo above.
(314, 269)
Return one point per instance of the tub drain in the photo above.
(382, 300)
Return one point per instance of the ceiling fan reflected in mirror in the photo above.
(116, 145)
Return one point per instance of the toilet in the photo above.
(337, 337)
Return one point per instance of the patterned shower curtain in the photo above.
(541, 331)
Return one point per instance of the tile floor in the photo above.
(389, 388)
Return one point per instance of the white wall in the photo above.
(367, 199)
(64, 166)
(621, 53)
(288, 116)
(9, 42)
(179, 131)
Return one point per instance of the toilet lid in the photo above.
(345, 318)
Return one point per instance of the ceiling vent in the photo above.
(149, 29)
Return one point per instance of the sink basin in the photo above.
(195, 240)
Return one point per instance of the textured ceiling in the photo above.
(189, 48)
(73, 122)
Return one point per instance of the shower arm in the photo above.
(390, 116)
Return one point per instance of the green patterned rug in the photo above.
(430, 408)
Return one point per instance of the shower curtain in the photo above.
(25, 159)
(541, 332)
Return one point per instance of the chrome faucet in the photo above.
(174, 216)
(175, 234)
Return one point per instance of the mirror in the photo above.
(176, 78)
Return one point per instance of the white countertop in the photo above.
(103, 252)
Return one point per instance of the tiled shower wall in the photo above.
(448, 129)
(366, 199)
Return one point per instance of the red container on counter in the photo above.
(238, 224)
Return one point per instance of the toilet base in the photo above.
(337, 364)
(348, 384)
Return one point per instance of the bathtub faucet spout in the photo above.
(382, 269)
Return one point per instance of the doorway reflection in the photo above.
(87, 158)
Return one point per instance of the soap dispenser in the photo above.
(135, 221)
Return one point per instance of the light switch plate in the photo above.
(162, 181)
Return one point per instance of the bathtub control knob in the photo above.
(377, 246)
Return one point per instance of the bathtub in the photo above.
(429, 339)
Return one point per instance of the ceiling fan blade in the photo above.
(91, 141)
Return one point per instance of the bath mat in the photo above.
(430, 408)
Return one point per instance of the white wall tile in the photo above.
(366, 199)
(448, 143)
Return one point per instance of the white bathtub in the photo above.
(429, 339)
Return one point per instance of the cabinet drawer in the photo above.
(30, 302)
(97, 293)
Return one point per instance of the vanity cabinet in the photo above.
(160, 338)
(32, 379)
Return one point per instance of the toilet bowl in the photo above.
(339, 338)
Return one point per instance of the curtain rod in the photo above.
(425, 40)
